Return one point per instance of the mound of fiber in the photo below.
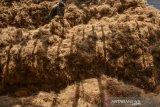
(25, 15)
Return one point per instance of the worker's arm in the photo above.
(52, 12)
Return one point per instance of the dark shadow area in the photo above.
(72, 43)
(8, 58)
(58, 61)
(5, 75)
(101, 94)
(156, 60)
(43, 60)
(94, 36)
(125, 5)
(18, 59)
(54, 101)
(0, 71)
(82, 89)
(1, 63)
(33, 54)
(59, 47)
(104, 42)
(83, 34)
(77, 95)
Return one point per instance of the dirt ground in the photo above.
(106, 48)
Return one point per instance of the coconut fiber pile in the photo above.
(24, 14)
(118, 38)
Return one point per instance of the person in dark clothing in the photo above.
(57, 9)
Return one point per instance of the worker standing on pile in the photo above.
(57, 9)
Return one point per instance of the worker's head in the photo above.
(61, 4)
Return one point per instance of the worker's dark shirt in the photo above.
(56, 10)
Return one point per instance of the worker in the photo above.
(57, 9)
